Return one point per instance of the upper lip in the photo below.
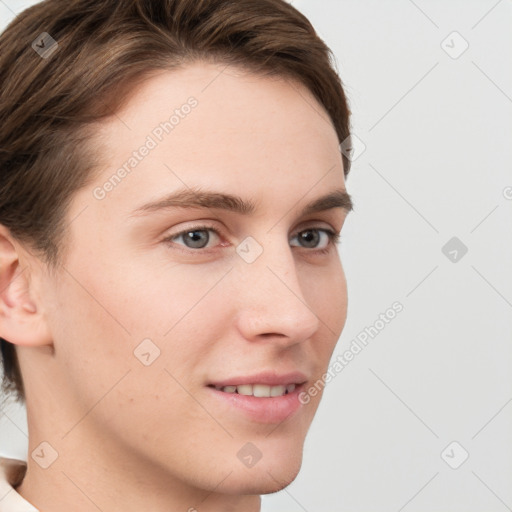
(268, 378)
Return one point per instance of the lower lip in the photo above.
(262, 409)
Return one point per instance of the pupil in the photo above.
(198, 239)
(310, 237)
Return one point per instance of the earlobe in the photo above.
(21, 319)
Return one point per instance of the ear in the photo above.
(22, 321)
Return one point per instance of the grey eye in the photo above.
(309, 238)
(195, 239)
(312, 238)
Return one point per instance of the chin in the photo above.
(265, 477)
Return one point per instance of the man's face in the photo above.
(154, 328)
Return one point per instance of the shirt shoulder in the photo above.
(12, 472)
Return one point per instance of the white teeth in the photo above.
(244, 389)
(258, 390)
(261, 390)
(277, 390)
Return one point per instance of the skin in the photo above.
(134, 437)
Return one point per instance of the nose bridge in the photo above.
(271, 300)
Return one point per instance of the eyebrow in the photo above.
(196, 198)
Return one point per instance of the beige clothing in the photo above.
(12, 472)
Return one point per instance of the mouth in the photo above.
(262, 398)
(258, 390)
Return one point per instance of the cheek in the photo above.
(106, 323)
(325, 290)
(339, 295)
(328, 299)
(136, 374)
(92, 344)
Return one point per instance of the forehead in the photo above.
(211, 125)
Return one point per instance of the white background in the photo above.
(436, 128)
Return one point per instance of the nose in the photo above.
(271, 305)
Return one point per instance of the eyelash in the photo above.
(334, 238)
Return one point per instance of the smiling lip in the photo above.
(267, 378)
(273, 409)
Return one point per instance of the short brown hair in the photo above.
(48, 105)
